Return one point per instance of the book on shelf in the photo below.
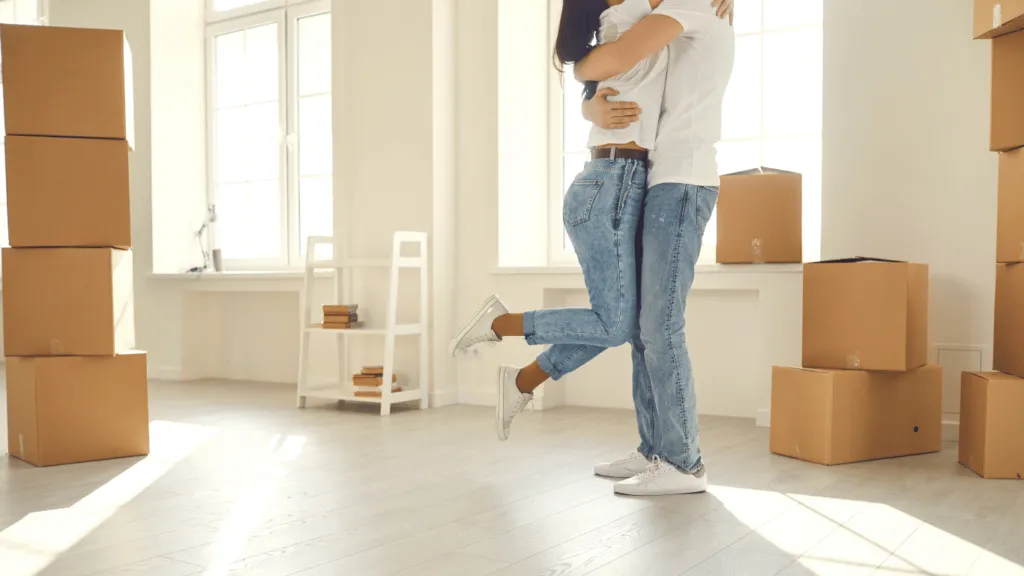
(340, 318)
(374, 393)
(370, 380)
(341, 326)
(373, 370)
(340, 309)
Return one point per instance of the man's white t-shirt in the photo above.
(700, 63)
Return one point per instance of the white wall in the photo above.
(907, 172)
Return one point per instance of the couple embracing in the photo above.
(636, 216)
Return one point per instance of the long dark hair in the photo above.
(577, 30)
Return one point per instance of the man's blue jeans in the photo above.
(667, 242)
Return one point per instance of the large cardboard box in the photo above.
(991, 427)
(865, 314)
(1007, 125)
(997, 17)
(77, 409)
(1010, 216)
(65, 192)
(1008, 339)
(67, 82)
(842, 416)
(760, 217)
(68, 302)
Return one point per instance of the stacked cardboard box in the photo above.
(865, 390)
(991, 430)
(76, 389)
(760, 218)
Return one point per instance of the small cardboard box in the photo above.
(77, 409)
(1007, 131)
(66, 192)
(997, 17)
(68, 302)
(842, 416)
(67, 82)
(865, 314)
(1010, 216)
(991, 427)
(760, 217)
(1008, 337)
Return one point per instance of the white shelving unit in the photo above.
(390, 331)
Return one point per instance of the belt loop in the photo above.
(614, 149)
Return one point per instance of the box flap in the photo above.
(857, 259)
(991, 376)
(760, 170)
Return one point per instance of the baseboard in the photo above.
(169, 373)
(441, 398)
(764, 418)
(951, 428)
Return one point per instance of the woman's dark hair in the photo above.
(577, 30)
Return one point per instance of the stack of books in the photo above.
(341, 317)
(368, 382)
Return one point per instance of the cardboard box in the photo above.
(842, 416)
(67, 82)
(760, 217)
(997, 17)
(1008, 337)
(68, 301)
(77, 409)
(1010, 216)
(991, 427)
(68, 192)
(865, 314)
(1007, 131)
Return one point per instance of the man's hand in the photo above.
(607, 114)
(724, 7)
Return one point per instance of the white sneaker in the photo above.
(478, 330)
(626, 467)
(661, 479)
(510, 401)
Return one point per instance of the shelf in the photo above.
(337, 394)
(400, 330)
(403, 262)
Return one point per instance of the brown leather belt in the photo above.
(615, 153)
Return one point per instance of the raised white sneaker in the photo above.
(478, 330)
(661, 479)
(510, 401)
(626, 467)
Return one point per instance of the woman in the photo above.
(683, 189)
(601, 212)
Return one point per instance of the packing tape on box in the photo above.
(997, 15)
(853, 361)
(756, 253)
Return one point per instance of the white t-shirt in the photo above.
(700, 63)
(644, 84)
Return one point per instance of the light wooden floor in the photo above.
(241, 482)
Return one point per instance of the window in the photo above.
(270, 130)
(771, 115)
(12, 12)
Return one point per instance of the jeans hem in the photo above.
(549, 368)
(529, 328)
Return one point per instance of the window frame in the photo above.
(558, 253)
(286, 15)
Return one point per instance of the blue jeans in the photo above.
(671, 232)
(602, 212)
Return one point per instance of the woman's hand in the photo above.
(608, 114)
(724, 7)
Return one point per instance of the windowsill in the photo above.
(701, 269)
(239, 281)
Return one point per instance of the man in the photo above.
(683, 189)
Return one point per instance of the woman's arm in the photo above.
(608, 114)
(647, 37)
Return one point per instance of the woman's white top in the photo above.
(644, 84)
